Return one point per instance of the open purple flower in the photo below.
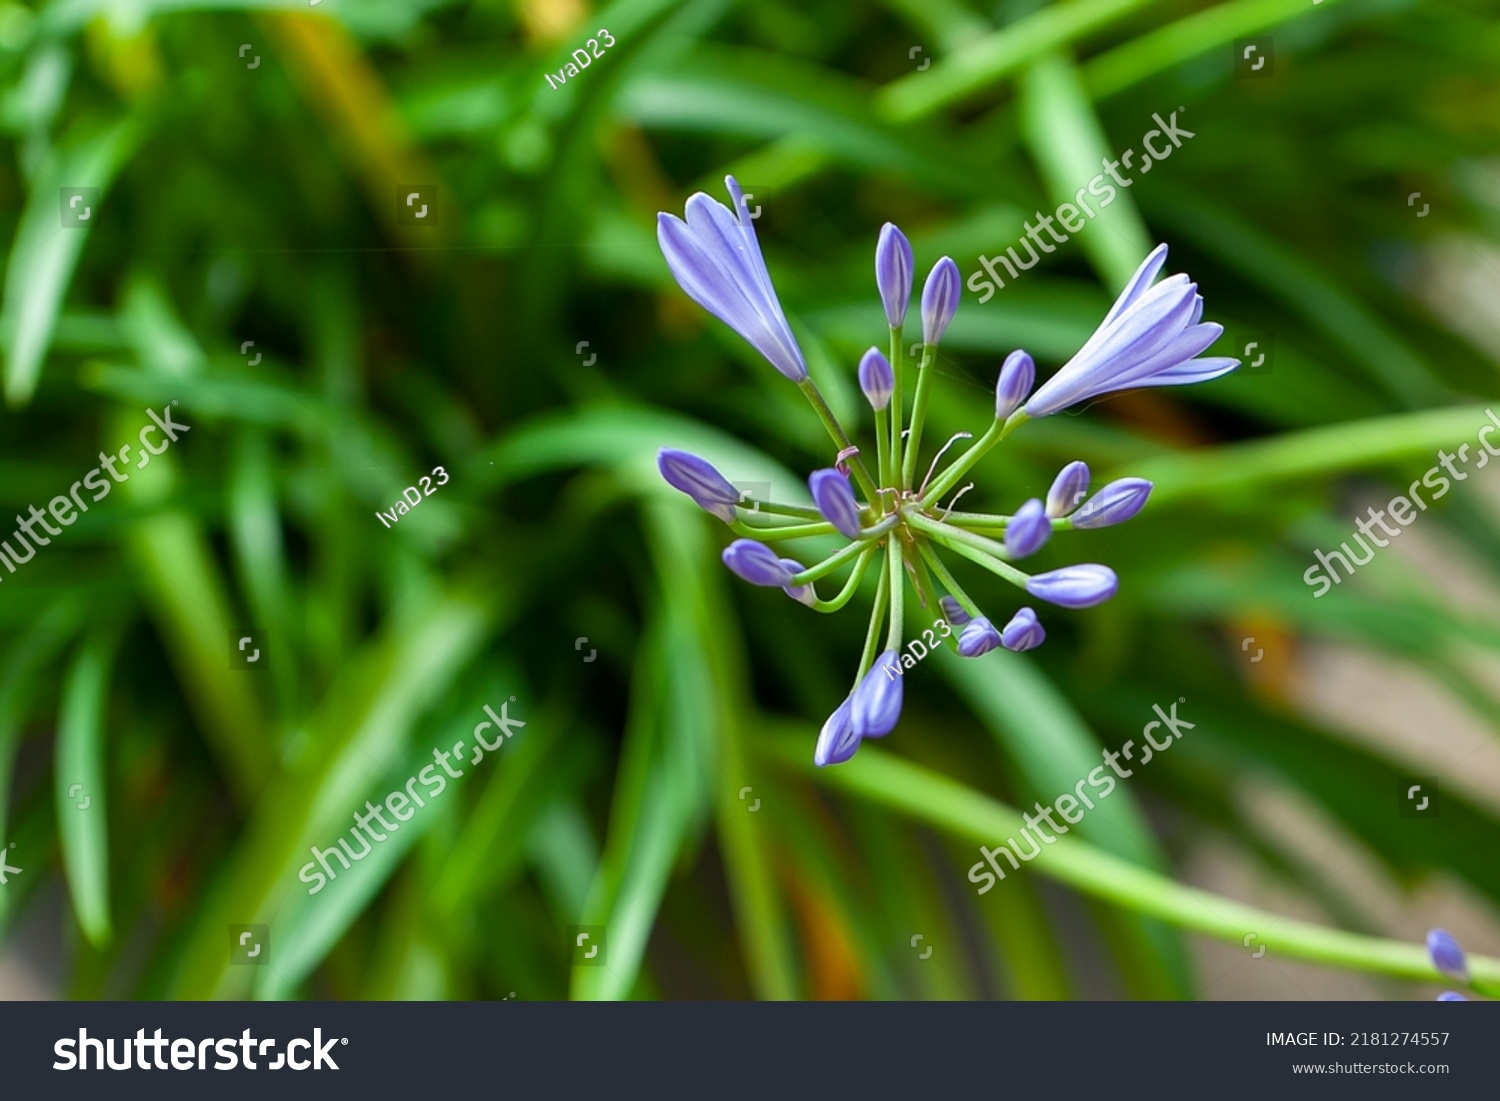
(699, 480)
(1149, 338)
(715, 258)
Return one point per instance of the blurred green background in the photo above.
(250, 159)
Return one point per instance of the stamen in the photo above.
(841, 464)
(951, 504)
(933, 468)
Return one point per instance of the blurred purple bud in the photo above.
(757, 563)
(1447, 956)
(953, 611)
(835, 500)
(699, 480)
(877, 700)
(1070, 487)
(1075, 586)
(1017, 374)
(893, 272)
(1451, 996)
(837, 741)
(1023, 632)
(940, 296)
(1028, 529)
(978, 637)
(876, 379)
(1114, 504)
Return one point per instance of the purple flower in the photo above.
(1114, 504)
(893, 270)
(953, 611)
(940, 299)
(699, 480)
(978, 637)
(1075, 586)
(1023, 632)
(1149, 338)
(1028, 529)
(835, 500)
(758, 564)
(1447, 956)
(1069, 487)
(1017, 374)
(804, 594)
(877, 700)
(1451, 996)
(716, 260)
(837, 740)
(876, 379)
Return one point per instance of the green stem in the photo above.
(840, 437)
(978, 520)
(850, 586)
(926, 796)
(929, 594)
(829, 564)
(882, 449)
(918, 415)
(876, 614)
(758, 506)
(897, 593)
(788, 531)
(898, 412)
(997, 431)
(962, 542)
(949, 583)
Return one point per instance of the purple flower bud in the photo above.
(805, 594)
(1451, 996)
(699, 480)
(1023, 632)
(893, 270)
(1017, 374)
(1446, 955)
(835, 500)
(978, 637)
(837, 741)
(1075, 586)
(876, 703)
(940, 296)
(1070, 487)
(953, 611)
(876, 379)
(1028, 529)
(1114, 504)
(757, 563)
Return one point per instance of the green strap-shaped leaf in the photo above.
(79, 782)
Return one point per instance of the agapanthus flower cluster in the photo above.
(1151, 337)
